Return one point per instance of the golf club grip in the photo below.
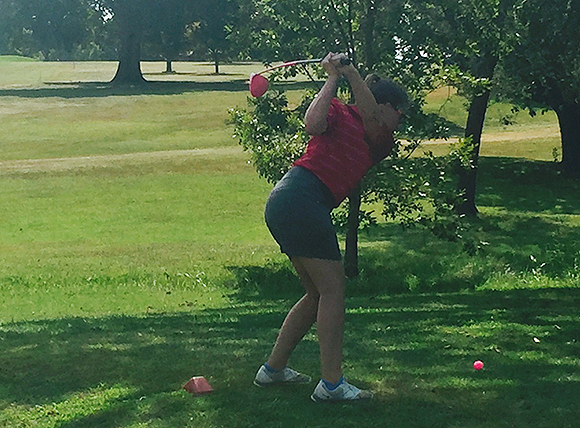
(345, 61)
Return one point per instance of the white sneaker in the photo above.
(344, 392)
(266, 377)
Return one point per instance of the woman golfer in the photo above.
(346, 141)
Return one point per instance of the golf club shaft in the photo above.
(344, 61)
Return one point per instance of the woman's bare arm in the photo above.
(379, 120)
(317, 112)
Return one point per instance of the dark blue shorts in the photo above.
(298, 216)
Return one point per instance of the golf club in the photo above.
(259, 84)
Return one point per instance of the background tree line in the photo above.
(513, 50)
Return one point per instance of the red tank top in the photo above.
(339, 157)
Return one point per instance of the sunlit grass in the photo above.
(63, 127)
(75, 407)
(133, 255)
(30, 72)
(498, 117)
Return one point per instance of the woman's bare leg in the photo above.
(297, 323)
(328, 278)
(324, 302)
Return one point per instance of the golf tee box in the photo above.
(198, 385)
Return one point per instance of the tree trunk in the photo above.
(468, 178)
(216, 63)
(169, 67)
(569, 120)
(130, 29)
(368, 29)
(351, 253)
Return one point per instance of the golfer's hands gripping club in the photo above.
(335, 64)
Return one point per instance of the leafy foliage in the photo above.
(420, 191)
(272, 134)
(544, 69)
(544, 65)
(415, 191)
(59, 29)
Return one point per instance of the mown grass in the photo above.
(133, 256)
(60, 126)
(414, 351)
(499, 116)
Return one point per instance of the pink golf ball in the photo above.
(478, 365)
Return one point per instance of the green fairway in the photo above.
(133, 256)
(414, 351)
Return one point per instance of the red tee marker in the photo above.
(198, 385)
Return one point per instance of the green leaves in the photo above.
(414, 191)
(272, 134)
(420, 191)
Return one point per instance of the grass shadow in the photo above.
(415, 351)
(524, 228)
(522, 185)
(430, 341)
(526, 217)
(107, 89)
(190, 73)
(394, 261)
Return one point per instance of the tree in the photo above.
(161, 23)
(169, 27)
(187, 29)
(56, 30)
(129, 18)
(129, 29)
(544, 69)
(166, 37)
(472, 36)
(216, 21)
(483, 69)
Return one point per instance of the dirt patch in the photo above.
(519, 134)
(531, 133)
(107, 161)
(143, 158)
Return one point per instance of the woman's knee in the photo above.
(326, 277)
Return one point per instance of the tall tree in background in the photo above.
(166, 37)
(205, 22)
(130, 18)
(55, 30)
(544, 69)
(216, 18)
(472, 35)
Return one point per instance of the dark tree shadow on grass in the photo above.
(106, 89)
(521, 185)
(414, 350)
(524, 228)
